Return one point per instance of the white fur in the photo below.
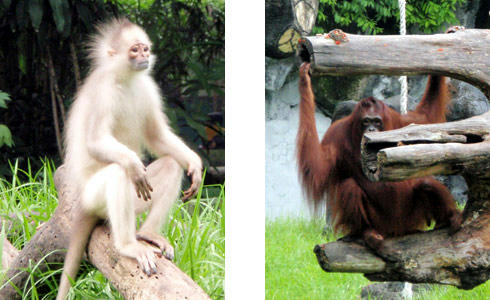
(116, 113)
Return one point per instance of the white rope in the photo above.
(407, 292)
(403, 79)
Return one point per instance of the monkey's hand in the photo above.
(304, 73)
(194, 171)
(137, 173)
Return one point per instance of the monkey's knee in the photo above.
(104, 185)
(112, 173)
(115, 172)
(165, 166)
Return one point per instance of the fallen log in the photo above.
(48, 243)
(9, 253)
(462, 260)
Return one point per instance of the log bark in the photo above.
(287, 20)
(461, 260)
(463, 55)
(48, 245)
(9, 253)
(448, 148)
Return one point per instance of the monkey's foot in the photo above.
(455, 222)
(157, 240)
(351, 239)
(145, 256)
(373, 239)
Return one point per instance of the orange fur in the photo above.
(330, 170)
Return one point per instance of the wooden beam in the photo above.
(461, 260)
(422, 150)
(464, 55)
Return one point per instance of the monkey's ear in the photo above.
(111, 52)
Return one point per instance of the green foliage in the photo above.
(36, 13)
(4, 97)
(61, 12)
(373, 17)
(34, 28)
(291, 267)
(188, 37)
(5, 134)
(196, 229)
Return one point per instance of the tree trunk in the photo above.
(169, 283)
(285, 22)
(9, 253)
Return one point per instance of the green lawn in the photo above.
(196, 229)
(292, 271)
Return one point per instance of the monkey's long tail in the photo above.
(81, 229)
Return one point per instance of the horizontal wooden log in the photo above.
(348, 258)
(421, 150)
(464, 55)
(461, 260)
(429, 159)
(52, 238)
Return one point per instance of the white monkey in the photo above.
(116, 113)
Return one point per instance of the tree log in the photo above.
(169, 283)
(462, 260)
(447, 148)
(285, 22)
(347, 257)
(9, 253)
(463, 55)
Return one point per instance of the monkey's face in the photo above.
(139, 56)
(370, 115)
(372, 124)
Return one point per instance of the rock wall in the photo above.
(282, 190)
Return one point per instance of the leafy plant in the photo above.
(45, 59)
(373, 17)
(5, 134)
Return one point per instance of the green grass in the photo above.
(196, 229)
(292, 271)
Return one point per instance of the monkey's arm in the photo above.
(104, 147)
(162, 141)
(314, 159)
(434, 104)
